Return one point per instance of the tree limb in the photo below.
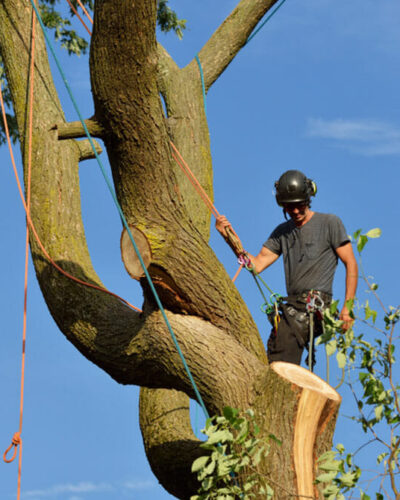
(230, 37)
(73, 130)
(171, 447)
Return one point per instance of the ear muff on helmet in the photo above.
(294, 187)
(312, 187)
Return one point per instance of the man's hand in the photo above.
(221, 224)
(346, 318)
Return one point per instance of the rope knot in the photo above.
(15, 442)
(245, 261)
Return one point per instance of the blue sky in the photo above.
(315, 90)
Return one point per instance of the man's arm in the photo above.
(261, 261)
(346, 255)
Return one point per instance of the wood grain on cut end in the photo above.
(315, 395)
(128, 254)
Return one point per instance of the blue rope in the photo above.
(265, 22)
(202, 84)
(110, 187)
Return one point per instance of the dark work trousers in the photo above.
(293, 334)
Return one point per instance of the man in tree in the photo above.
(311, 243)
(219, 338)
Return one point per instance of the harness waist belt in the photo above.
(302, 297)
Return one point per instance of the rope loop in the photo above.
(15, 442)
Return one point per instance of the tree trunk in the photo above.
(218, 337)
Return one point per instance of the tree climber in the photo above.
(311, 243)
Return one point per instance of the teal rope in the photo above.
(110, 187)
(202, 84)
(265, 22)
(255, 276)
(266, 286)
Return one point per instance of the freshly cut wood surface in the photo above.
(316, 396)
(129, 257)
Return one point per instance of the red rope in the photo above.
(33, 229)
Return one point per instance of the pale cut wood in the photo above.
(128, 254)
(316, 396)
(86, 151)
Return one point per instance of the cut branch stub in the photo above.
(128, 254)
(316, 404)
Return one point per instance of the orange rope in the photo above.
(237, 273)
(85, 11)
(77, 14)
(16, 440)
(196, 184)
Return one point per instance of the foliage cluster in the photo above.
(229, 470)
(368, 370)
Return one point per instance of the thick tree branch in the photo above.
(171, 447)
(230, 37)
(73, 130)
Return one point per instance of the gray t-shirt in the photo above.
(309, 254)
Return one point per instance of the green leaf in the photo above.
(374, 233)
(381, 457)
(230, 413)
(340, 448)
(331, 347)
(327, 477)
(341, 359)
(348, 479)
(378, 412)
(199, 463)
(361, 242)
(168, 20)
(274, 438)
(220, 437)
(207, 483)
(332, 465)
(328, 455)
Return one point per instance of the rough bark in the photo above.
(217, 335)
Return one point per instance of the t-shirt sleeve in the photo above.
(337, 231)
(273, 243)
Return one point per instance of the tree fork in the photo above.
(127, 106)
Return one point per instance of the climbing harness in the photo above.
(315, 309)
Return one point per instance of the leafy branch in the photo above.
(229, 470)
(375, 392)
